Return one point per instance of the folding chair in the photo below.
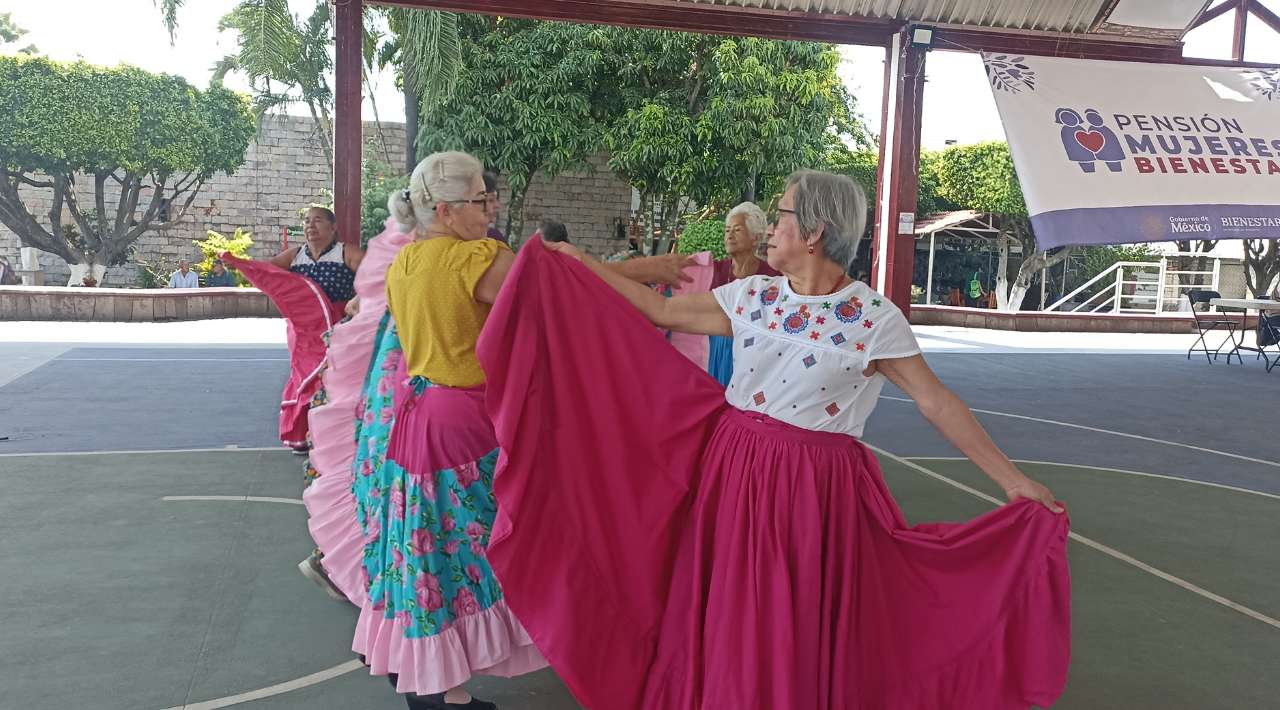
(1206, 324)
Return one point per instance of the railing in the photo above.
(1139, 287)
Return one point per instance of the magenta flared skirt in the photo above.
(309, 314)
(668, 552)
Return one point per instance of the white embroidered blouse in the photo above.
(800, 359)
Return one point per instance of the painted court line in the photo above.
(1105, 549)
(271, 690)
(1108, 469)
(237, 499)
(173, 359)
(151, 451)
(1113, 433)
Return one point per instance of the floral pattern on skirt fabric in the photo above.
(425, 536)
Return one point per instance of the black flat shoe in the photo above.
(436, 702)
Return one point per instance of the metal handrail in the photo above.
(1095, 279)
(1116, 278)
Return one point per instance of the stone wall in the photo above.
(285, 170)
(591, 203)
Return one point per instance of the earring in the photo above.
(810, 248)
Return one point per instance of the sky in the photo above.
(958, 105)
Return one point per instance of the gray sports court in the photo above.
(149, 527)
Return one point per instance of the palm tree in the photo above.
(426, 50)
(288, 61)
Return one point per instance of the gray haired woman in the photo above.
(744, 228)
(752, 550)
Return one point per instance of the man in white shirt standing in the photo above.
(184, 277)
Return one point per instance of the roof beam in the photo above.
(1215, 13)
(1241, 30)
(1050, 44)
(816, 27)
(1262, 13)
(683, 16)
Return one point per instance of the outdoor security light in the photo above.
(921, 36)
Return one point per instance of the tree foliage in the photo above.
(1262, 265)
(10, 33)
(704, 235)
(285, 58)
(532, 99)
(981, 177)
(377, 181)
(135, 146)
(721, 120)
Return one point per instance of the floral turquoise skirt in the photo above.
(435, 613)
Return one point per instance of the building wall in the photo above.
(285, 170)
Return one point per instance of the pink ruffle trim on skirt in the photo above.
(490, 642)
(330, 503)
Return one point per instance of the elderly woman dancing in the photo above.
(747, 554)
(433, 614)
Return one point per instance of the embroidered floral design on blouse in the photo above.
(849, 311)
(769, 295)
(797, 321)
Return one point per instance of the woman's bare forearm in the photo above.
(955, 421)
(648, 301)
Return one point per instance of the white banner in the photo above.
(1115, 152)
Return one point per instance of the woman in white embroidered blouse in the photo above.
(795, 580)
(801, 247)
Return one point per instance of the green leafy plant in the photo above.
(378, 181)
(215, 245)
(707, 235)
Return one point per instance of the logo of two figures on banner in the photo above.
(1088, 141)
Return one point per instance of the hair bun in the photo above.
(401, 209)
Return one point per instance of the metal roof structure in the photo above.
(1166, 19)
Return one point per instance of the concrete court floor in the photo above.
(118, 598)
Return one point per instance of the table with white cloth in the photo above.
(1245, 304)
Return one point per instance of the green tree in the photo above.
(981, 177)
(116, 151)
(10, 33)
(532, 99)
(720, 120)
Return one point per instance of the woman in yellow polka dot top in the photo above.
(434, 614)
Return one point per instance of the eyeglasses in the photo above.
(777, 213)
(473, 201)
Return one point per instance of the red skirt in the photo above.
(309, 314)
(666, 551)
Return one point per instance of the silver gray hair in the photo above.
(756, 222)
(440, 177)
(835, 202)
